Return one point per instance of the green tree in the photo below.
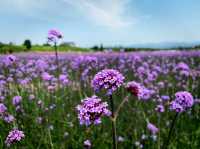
(27, 44)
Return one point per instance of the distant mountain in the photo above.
(166, 45)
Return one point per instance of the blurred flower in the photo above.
(14, 136)
(160, 108)
(120, 139)
(46, 76)
(152, 128)
(9, 60)
(87, 144)
(16, 100)
(39, 120)
(63, 79)
(66, 134)
(165, 97)
(154, 137)
(3, 108)
(91, 110)
(182, 66)
(54, 35)
(8, 118)
(108, 79)
(138, 90)
(31, 97)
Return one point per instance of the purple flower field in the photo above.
(100, 100)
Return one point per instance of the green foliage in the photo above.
(27, 44)
(5, 49)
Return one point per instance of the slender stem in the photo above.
(166, 144)
(50, 139)
(114, 130)
(120, 106)
(56, 53)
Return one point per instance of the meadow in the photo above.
(39, 98)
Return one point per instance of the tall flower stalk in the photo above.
(165, 146)
(114, 129)
(53, 37)
(109, 80)
(56, 54)
(182, 102)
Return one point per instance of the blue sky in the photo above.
(111, 22)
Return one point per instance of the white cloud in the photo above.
(108, 13)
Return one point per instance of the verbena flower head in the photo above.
(108, 79)
(138, 90)
(46, 76)
(54, 35)
(63, 79)
(16, 100)
(182, 66)
(3, 108)
(9, 60)
(152, 128)
(134, 88)
(14, 136)
(87, 144)
(91, 110)
(183, 101)
(160, 108)
(8, 118)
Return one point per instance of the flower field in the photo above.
(100, 100)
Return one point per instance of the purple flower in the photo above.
(9, 60)
(183, 101)
(152, 128)
(54, 35)
(9, 118)
(14, 136)
(160, 108)
(87, 144)
(41, 65)
(176, 107)
(16, 100)
(3, 108)
(138, 90)
(165, 97)
(108, 79)
(31, 97)
(182, 66)
(91, 110)
(46, 76)
(63, 79)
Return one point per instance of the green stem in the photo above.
(50, 139)
(56, 53)
(165, 146)
(120, 106)
(114, 130)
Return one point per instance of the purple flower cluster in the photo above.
(108, 79)
(91, 110)
(16, 100)
(3, 108)
(54, 35)
(138, 90)
(14, 136)
(9, 60)
(63, 79)
(160, 108)
(87, 144)
(183, 101)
